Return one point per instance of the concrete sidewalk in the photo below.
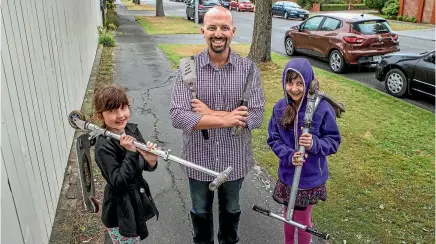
(425, 34)
(146, 72)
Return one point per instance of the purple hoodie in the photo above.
(324, 130)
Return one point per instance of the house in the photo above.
(422, 10)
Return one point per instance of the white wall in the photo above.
(47, 51)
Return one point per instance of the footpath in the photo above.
(141, 67)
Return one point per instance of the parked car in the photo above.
(225, 3)
(241, 5)
(405, 73)
(203, 7)
(343, 39)
(289, 10)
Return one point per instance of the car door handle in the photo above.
(310, 36)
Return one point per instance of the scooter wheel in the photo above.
(75, 114)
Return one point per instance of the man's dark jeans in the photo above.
(202, 215)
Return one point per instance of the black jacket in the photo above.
(127, 202)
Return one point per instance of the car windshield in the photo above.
(372, 27)
(290, 5)
(210, 2)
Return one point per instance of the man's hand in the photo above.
(237, 117)
(200, 107)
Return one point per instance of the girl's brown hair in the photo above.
(291, 110)
(109, 97)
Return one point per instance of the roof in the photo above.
(352, 17)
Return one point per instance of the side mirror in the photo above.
(430, 58)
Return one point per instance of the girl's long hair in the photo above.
(291, 109)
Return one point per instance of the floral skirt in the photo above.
(117, 238)
(304, 196)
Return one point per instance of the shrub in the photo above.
(334, 7)
(391, 7)
(112, 18)
(101, 30)
(307, 4)
(376, 4)
(107, 40)
(334, 1)
(111, 27)
(400, 18)
(412, 19)
(110, 4)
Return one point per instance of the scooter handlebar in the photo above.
(220, 179)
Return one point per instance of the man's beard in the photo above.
(218, 49)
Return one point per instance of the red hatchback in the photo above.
(241, 5)
(343, 39)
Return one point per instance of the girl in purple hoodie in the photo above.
(284, 138)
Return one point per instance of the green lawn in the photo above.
(167, 25)
(381, 185)
(132, 6)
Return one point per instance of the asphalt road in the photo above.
(244, 30)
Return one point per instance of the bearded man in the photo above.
(208, 117)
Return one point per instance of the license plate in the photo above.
(376, 58)
(302, 15)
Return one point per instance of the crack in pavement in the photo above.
(179, 193)
(147, 108)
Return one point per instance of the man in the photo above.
(221, 76)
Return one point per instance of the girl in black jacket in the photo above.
(127, 203)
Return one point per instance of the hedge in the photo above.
(334, 7)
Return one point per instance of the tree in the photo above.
(159, 9)
(260, 50)
(376, 4)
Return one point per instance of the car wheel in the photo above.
(286, 15)
(336, 61)
(289, 46)
(396, 83)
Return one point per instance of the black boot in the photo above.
(228, 230)
(203, 227)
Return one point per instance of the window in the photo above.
(290, 5)
(372, 27)
(312, 23)
(330, 24)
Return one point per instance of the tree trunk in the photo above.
(260, 50)
(159, 9)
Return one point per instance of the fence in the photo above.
(47, 52)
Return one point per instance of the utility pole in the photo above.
(196, 11)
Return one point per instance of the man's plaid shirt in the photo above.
(221, 90)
